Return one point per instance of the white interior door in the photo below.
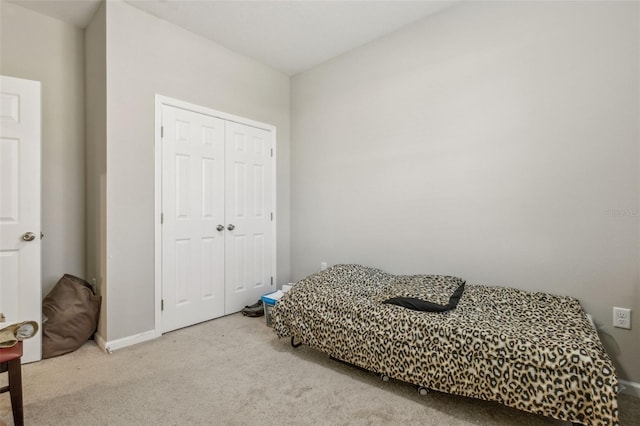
(192, 207)
(20, 276)
(249, 212)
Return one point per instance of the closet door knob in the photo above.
(220, 227)
(231, 227)
(29, 236)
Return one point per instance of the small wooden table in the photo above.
(10, 361)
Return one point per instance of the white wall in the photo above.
(496, 141)
(148, 56)
(37, 47)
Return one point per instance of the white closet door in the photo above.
(248, 198)
(192, 207)
(20, 278)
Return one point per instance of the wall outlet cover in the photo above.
(622, 317)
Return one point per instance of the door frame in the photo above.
(161, 100)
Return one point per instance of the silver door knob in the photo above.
(220, 227)
(29, 236)
(231, 227)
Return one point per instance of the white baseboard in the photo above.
(114, 345)
(97, 337)
(630, 388)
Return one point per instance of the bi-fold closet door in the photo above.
(217, 216)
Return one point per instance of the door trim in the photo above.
(161, 100)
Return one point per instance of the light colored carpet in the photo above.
(234, 371)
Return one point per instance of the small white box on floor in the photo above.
(287, 287)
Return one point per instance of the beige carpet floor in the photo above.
(234, 371)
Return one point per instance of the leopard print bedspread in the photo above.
(532, 351)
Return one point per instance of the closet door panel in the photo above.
(249, 195)
(192, 206)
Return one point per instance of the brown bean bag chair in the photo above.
(70, 316)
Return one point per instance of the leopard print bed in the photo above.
(532, 351)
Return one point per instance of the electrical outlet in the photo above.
(323, 266)
(622, 317)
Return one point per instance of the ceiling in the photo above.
(290, 36)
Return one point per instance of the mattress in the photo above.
(536, 352)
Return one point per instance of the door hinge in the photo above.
(272, 216)
(161, 218)
(162, 131)
(271, 152)
(271, 281)
(162, 304)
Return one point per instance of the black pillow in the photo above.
(426, 306)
